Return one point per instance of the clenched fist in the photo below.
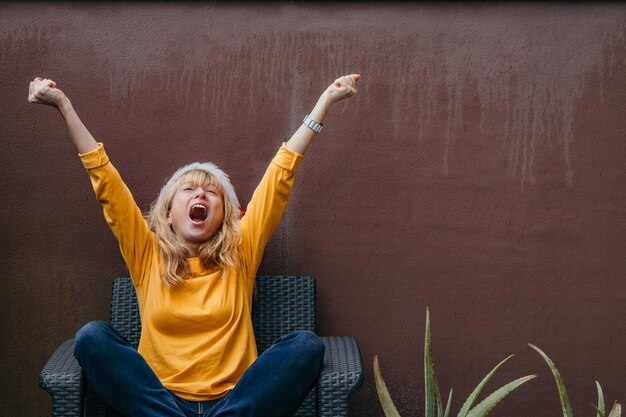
(343, 87)
(44, 91)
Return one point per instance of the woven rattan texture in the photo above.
(61, 377)
(282, 305)
(342, 374)
(125, 311)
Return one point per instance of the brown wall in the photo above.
(480, 172)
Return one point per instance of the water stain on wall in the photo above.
(533, 77)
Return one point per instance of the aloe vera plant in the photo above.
(566, 405)
(433, 404)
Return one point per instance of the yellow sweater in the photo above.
(197, 337)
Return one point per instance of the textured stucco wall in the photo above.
(480, 172)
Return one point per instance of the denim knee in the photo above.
(90, 337)
(309, 347)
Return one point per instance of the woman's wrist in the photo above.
(321, 108)
(65, 106)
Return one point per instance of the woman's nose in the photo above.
(200, 193)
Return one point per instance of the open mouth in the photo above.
(198, 212)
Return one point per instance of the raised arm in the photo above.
(44, 91)
(342, 87)
(120, 210)
(270, 198)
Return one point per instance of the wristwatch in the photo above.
(312, 124)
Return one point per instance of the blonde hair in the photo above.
(222, 250)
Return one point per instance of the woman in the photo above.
(193, 260)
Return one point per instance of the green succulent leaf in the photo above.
(383, 394)
(447, 412)
(438, 396)
(566, 406)
(600, 412)
(616, 411)
(486, 405)
(472, 397)
(430, 394)
(600, 409)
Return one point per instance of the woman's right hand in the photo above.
(44, 91)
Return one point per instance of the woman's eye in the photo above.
(187, 189)
(212, 192)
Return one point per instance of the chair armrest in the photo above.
(62, 377)
(342, 373)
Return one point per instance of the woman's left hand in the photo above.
(343, 87)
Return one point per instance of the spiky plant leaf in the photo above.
(447, 412)
(438, 396)
(600, 409)
(616, 411)
(566, 406)
(486, 405)
(383, 394)
(429, 373)
(472, 397)
(600, 412)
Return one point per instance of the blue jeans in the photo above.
(274, 385)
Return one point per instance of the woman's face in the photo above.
(196, 213)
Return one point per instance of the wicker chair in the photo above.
(282, 304)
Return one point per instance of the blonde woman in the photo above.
(193, 260)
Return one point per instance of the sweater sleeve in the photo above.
(121, 213)
(267, 205)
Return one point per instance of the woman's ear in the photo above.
(169, 218)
